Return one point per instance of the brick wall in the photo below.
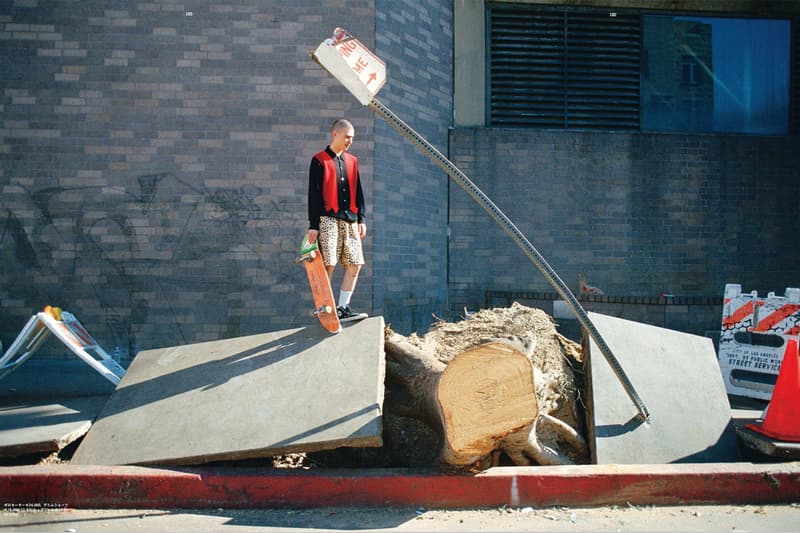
(154, 161)
(416, 41)
(153, 169)
(698, 315)
(638, 214)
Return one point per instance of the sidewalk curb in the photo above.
(577, 486)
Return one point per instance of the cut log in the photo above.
(484, 394)
(483, 400)
(500, 381)
(479, 397)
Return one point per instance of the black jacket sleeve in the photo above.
(360, 200)
(315, 205)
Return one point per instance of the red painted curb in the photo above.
(576, 486)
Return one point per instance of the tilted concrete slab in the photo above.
(256, 396)
(45, 425)
(677, 377)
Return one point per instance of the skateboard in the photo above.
(324, 304)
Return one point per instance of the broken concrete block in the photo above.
(45, 425)
(256, 396)
(677, 377)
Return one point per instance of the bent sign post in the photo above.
(353, 65)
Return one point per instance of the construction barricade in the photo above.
(66, 328)
(753, 339)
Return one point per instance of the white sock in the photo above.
(344, 298)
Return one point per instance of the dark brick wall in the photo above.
(639, 214)
(416, 41)
(154, 160)
(698, 315)
(154, 156)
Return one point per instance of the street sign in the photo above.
(366, 65)
(353, 64)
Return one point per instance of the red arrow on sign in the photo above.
(372, 77)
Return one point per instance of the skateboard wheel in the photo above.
(323, 309)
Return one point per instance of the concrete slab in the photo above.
(45, 425)
(256, 396)
(677, 377)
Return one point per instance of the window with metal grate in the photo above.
(563, 67)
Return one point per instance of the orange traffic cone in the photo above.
(782, 421)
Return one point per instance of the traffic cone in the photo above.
(782, 421)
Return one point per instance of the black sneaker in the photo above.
(346, 314)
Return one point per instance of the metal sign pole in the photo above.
(351, 63)
(486, 203)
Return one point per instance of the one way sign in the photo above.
(367, 66)
(353, 64)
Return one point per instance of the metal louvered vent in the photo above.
(563, 68)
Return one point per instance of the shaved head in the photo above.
(342, 136)
(341, 124)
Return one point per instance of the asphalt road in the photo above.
(616, 518)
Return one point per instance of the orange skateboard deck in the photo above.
(324, 304)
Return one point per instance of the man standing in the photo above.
(336, 211)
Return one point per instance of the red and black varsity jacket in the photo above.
(332, 194)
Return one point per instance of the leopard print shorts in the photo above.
(339, 242)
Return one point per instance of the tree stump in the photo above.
(484, 394)
(498, 382)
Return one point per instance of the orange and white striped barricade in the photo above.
(66, 327)
(753, 339)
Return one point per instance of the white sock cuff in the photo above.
(344, 298)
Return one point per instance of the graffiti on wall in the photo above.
(161, 262)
